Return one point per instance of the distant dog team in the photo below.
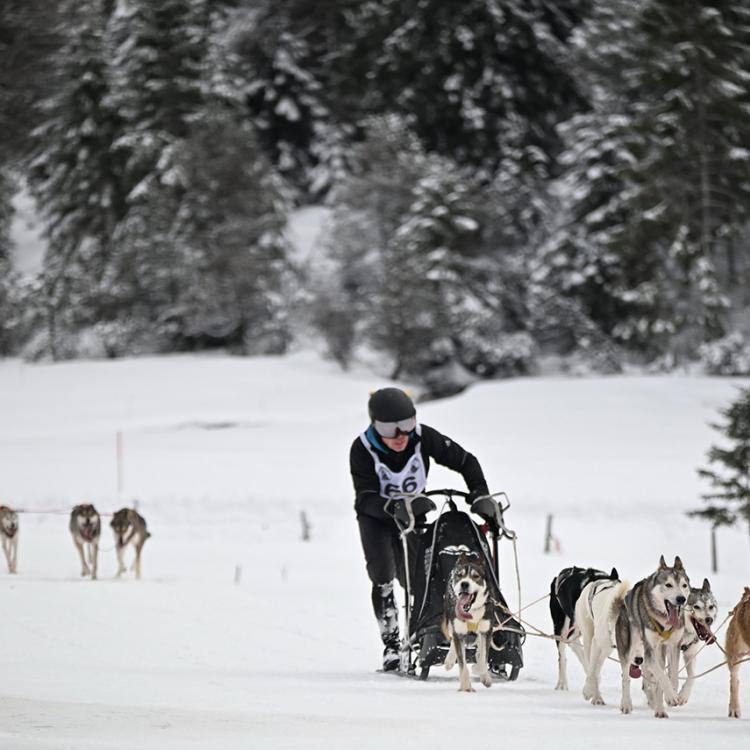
(128, 526)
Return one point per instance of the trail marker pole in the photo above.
(714, 555)
(548, 535)
(119, 465)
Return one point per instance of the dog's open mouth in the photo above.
(702, 631)
(673, 615)
(464, 604)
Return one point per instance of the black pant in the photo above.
(384, 557)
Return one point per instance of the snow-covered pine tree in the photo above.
(655, 187)
(199, 258)
(76, 178)
(285, 60)
(476, 80)
(729, 502)
(6, 277)
(229, 226)
(32, 33)
(368, 206)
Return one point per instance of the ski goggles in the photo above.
(391, 429)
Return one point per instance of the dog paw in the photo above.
(486, 680)
(661, 714)
(561, 686)
(626, 708)
(734, 713)
(597, 700)
(674, 700)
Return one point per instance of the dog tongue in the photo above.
(673, 615)
(463, 605)
(634, 671)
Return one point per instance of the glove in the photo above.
(396, 507)
(485, 507)
(421, 505)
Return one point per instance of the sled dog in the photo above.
(595, 615)
(467, 612)
(650, 621)
(564, 591)
(9, 534)
(700, 613)
(85, 528)
(737, 648)
(129, 527)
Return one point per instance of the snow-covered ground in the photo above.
(223, 454)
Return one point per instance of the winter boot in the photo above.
(386, 613)
(391, 656)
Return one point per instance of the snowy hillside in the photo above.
(223, 454)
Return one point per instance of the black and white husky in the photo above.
(565, 589)
(9, 535)
(85, 528)
(467, 613)
(650, 622)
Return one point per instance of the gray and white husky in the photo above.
(467, 611)
(9, 535)
(129, 527)
(651, 621)
(700, 613)
(85, 528)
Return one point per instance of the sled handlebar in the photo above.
(495, 505)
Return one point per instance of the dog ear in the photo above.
(706, 586)
(614, 575)
(678, 563)
(662, 563)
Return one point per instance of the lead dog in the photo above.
(596, 612)
(738, 647)
(9, 534)
(129, 527)
(564, 591)
(85, 527)
(651, 620)
(467, 611)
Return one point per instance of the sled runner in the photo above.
(431, 550)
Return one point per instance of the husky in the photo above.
(467, 611)
(737, 648)
(596, 612)
(85, 527)
(564, 591)
(701, 612)
(129, 527)
(650, 621)
(9, 534)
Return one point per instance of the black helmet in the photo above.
(390, 405)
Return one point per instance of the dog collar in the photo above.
(664, 633)
(472, 627)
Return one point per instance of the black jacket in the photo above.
(432, 444)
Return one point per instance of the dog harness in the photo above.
(410, 480)
(596, 588)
